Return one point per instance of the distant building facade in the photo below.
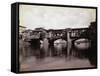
(21, 29)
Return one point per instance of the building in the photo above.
(21, 29)
(76, 33)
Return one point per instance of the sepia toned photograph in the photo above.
(57, 37)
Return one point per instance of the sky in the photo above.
(48, 17)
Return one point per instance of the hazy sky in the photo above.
(50, 17)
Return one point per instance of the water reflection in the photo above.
(46, 48)
(42, 48)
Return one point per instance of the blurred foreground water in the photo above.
(42, 57)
